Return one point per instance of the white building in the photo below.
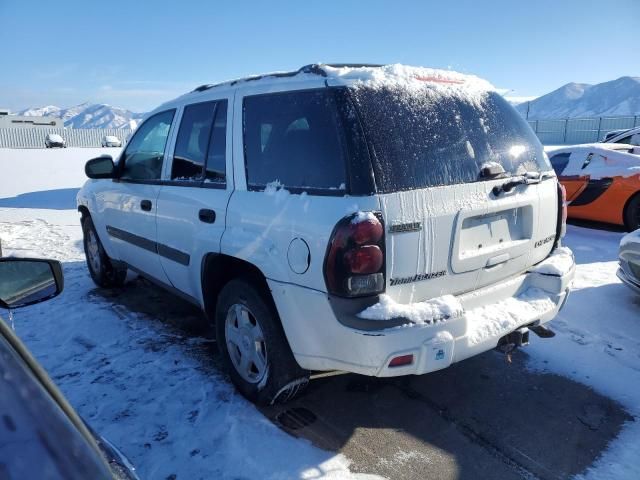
(19, 121)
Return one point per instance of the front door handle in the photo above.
(145, 205)
(207, 216)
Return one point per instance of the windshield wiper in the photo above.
(529, 178)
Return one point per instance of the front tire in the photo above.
(253, 347)
(632, 213)
(101, 268)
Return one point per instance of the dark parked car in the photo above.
(41, 435)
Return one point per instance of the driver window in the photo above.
(145, 152)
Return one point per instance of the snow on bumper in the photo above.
(320, 342)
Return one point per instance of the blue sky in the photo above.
(136, 54)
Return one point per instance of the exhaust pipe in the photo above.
(517, 338)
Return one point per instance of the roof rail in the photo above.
(202, 88)
(313, 68)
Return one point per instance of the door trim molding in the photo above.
(165, 251)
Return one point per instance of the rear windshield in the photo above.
(423, 138)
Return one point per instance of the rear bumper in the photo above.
(320, 342)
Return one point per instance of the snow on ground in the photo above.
(598, 342)
(158, 395)
(150, 389)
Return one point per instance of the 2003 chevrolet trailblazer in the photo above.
(384, 220)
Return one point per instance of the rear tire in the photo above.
(101, 268)
(632, 213)
(253, 347)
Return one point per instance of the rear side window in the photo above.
(201, 143)
(145, 152)
(559, 162)
(192, 142)
(422, 137)
(294, 139)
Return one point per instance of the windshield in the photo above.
(422, 138)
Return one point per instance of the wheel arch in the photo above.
(217, 269)
(84, 212)
(631, 198)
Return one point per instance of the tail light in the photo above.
(354, 265)
(561, 226)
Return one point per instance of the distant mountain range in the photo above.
(88, 115)
(614, 98)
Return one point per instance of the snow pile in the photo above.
(427, 312)
(560, 262)
(277, 190)
(361, 217)
(504, 316)
(405, 75)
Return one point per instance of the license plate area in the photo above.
(484, 241)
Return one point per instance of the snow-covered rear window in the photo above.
(424, 137)
(294, 138)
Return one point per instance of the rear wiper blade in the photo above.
(528, 178)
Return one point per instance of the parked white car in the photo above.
(628, 137)
(629, 258)
(111, 141)
(383, 220)
(53, 140)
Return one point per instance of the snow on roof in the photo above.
(406, 75)
(371, 75)
(375, 76)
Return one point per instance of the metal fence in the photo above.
(580, 130)
(550, 132)
(79, 137)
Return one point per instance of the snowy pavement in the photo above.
(140, 369)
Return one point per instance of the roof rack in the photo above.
(313, 68)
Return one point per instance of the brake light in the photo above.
(355, 262)
(366, 259)
(561, 226)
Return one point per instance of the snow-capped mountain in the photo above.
(88, 115)
(614, 98)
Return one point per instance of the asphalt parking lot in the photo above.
(482, 418)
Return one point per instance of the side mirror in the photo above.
(100, 167)
(25, 281)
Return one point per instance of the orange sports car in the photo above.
(602, 181)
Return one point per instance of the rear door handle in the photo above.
(207, 216)
(145, 205)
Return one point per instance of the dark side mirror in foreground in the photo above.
(25, 281)
(100, 167)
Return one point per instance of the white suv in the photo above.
(383, 220)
